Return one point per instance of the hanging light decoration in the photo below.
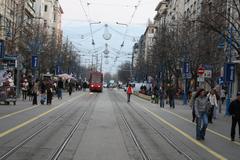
(106, 51)
(107, 36)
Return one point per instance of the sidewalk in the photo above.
(221, 125)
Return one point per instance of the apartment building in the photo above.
(192, 8)
(7, 21)
(149, 40)
(175, 10)
(50, 12)
(161, 9)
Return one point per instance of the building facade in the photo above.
(50, 12)
(7, 22)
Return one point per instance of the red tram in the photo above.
(96, 81)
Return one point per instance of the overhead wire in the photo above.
(127, 28)
(89, 21)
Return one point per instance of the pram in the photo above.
(154, 98)
(43, 99)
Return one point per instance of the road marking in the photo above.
(17, 112)
(214, 132)
(4, 133)
(215, 154)
(209, 130)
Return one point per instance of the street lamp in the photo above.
(123, 24)
(90, 24)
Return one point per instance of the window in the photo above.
(54, 17)
(45, 8)
(45, 24)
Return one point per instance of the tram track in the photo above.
(138, 144)
(159, 133)
(65, 141)
(60, 149)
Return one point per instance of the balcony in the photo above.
(29, 9)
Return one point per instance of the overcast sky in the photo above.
(76, 27)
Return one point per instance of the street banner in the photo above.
(186, 68)
(2, 49)
(34, 61)
(229, 72)
(58, 70)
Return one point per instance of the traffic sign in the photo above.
(229, 72)
(201, 71)
(221, 80)
(186, 68)
(200, 79)
(34, 61)
(208, 73)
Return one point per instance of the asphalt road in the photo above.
(103, 126)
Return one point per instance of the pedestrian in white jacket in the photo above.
(213, 101)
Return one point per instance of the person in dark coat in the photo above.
(171, 95)
(49, 93)
(43, 90)
(162, 96)
(70, 88)
(59, 88)
(234, 111)
(84, 85)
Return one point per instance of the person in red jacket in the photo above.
(129, 92)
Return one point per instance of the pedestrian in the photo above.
(234, 111)
(161, 96)
(70, 88)
(49, 95)
(30, 92)
(223, 95)
(59, 88)
(43, 90)
(213, 101)
(25, 86)
(192, 103)
(201, 106)
(171, 96)
(35, 92)
(84, 86)
(129, 92)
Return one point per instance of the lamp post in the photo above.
(93, 43)
(122, 45)
(228, 71)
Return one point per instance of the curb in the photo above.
(143, 96)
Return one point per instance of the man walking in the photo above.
(161, 96)
(201, 110)
(234, 111)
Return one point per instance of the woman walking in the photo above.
(213, 101)
(129, 92)
(201, 110)
(35, 92)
